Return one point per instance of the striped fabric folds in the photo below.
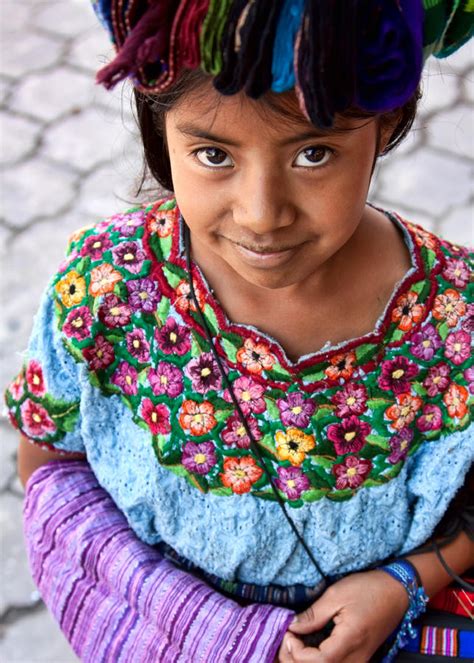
(118, 600)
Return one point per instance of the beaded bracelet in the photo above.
(404, 571)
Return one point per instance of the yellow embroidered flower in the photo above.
(71, 289)
(293, 445)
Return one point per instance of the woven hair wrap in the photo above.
(365, 54)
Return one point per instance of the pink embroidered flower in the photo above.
(199, 458)
(235, 435)
(351, 399)
(458, 347)
(455, 400)
(173, 338)
(156, 416)
(437, 379)
(249, 395)
(138, 346)
(100, 355)
(240, 474)
(351, 473)
(127, 224)
(400, 445)
(143, 295)
(204, 373)
(396, 375)
(341, 367)
(166, 379)
(431, 419)
(296, 410)
(404, 411)
(35, 379)
(469, 376)
(449, 306)
(114, 312)
(197, 418)
(425, 342)
(17, 387)
(255, 357)
(96, 245)
(407, 311)
(78, 323)
(456, 272)
(348, 436)
(467, 323)
(292, 481)
(161, 222)
(36, 421)
(125, 377)
(184, 301)
(129, 255)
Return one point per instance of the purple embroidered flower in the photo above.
(351, 473)
(456, 272)
(234, 434)
(396, 375)
(348, 436)
(129, 255)
(138, 346)
(400, 445)
(467, 323)
(469, 375)
(296, 410)
(143, 295)
(125, 376)
(425, 342)
(292, 482)
(204, 373)
(431, 419)
(458, 347)
(113, 312)
(100, 355)
(78, 323)
(199, 458)
(352, 399)
(437, 379)
(96, 245)
(166, 379)
(127, 224)
(173, 338)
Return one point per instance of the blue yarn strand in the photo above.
(283, 74)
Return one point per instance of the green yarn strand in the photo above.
(211, 36)
(447, 26)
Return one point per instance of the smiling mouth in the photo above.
(266, 250)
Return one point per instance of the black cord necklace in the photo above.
(253, 442)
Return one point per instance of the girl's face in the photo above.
(271, 198)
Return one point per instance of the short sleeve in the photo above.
(43, 401)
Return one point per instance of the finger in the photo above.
(284, 653)
(342, 644)
(315, 617)
(302, 654)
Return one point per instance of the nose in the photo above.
(263, 204)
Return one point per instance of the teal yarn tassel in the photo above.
(283, 74)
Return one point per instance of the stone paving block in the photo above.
(8, 444)
(458, 225)
(34, 189)
(14, 16)
(460, 61)
(18, 137)
(22, 55)
(468, 86)
(5, 89)
(453, 130)
(91, 50)
(49, 95)
(427, 182)
(36, 638)
(67, 19)
(440, 90)
(106, 192)
(85, 139)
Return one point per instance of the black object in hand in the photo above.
(315, 639)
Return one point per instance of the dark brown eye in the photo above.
(213, 157)
(313, 156)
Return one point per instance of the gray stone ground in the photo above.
(69, 155)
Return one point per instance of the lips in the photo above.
(268, 257)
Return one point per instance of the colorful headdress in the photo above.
(367, 54)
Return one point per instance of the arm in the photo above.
(116, 597)
(32, 456)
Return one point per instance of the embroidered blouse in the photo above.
(367, 441)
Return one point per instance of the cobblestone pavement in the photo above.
(69, 156)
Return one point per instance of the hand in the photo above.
(365, 607)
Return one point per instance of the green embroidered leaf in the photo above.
(177, 271)
(443, 330)
(178, 469)
(173, 279)
(322, 412)
(371, 483)
(74, 351)
(365, 352)
(379, 441)
(419, 389)
(323, 461)
(315, 376)
(397, 335)
(82, 265)
(198, 482)
(265, 495)
(320, 478)
(66, 421)
(430, 257)
(394, 471)
(417, 287)
(313, 495)
(340, 495)
(167, 205)
(113, 337)
(272, 408)
(222, 491)
(221, 415)
(268, 444)
(162, 311)
(229, 349)
(166, 244)
(211, 319)
(279, 374)
(155, 245)
(379, 403)
(199, 344)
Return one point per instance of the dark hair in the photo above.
(152, 109)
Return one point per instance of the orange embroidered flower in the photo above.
(407, 311)
(161, 222)
(79, 233)
(293, 445)
(422, 237)
(455, 400)
(103, 279)
(71, 289)
(197, 418)
(184, 300)
(404, 411)
(449, 306)
(240, 473)
(255, 357)
(341, 366)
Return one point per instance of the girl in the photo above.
(280, 434)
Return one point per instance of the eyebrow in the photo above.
(190, 129)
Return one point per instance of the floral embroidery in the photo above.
(334, 423)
